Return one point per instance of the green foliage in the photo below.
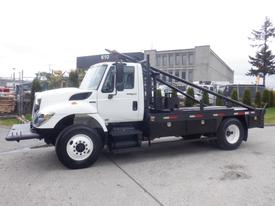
(81, 74)
(174, 93)
(219, 101)
(9, 122)
(36, 87)
(158, 93)
(205, 98)
(263, 62)
(270, 116)
(189, 102)
(247, 97)
(265, 97)
(55, 81)
(258, 99)
(271, 98)
(234, 95)
(73, 79)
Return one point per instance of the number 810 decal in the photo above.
(105, 57)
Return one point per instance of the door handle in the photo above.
(135, 105)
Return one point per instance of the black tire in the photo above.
(230, 134)
(62, 143)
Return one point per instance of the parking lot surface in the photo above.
(174, 173)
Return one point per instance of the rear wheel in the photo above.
(78, 146)
(230, 134)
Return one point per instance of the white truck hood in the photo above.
(55, 96)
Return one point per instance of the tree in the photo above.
(234, 95)
(189, 102)
(247, 97)
(265, 97)
(205, 98)
(258, 99)
(73, 79)
(264, 61)
(55, 81)
(81, 74)
(36, 87)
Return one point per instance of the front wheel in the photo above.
(230, 134)
(78, 146)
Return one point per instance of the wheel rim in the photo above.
(79, 147)
(232, 134)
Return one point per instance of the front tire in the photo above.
(78, 146)
(230, 134)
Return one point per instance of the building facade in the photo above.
(84, 62)
(195, 64)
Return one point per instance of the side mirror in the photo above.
(119, 77)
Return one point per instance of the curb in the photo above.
(269, 125)
(4, 127)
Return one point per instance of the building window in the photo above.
(158, 60)
(178, 59)
(184, 59)
(164, 60)
(163, 77)
(171, 62)
(191, 59)
(177, 73)
(190, 75)
(183, 74)
(170, 79)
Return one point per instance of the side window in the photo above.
(129, 77)
(109, 83)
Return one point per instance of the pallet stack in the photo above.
(7, 104)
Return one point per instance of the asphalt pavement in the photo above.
(174, 173)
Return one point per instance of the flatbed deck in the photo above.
(188, 121)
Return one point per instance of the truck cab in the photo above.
(118, 93)
(107, 94)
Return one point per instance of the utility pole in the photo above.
(22, 75)
(13, 79)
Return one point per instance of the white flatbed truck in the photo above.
(117, 106)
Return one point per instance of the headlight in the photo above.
(42, 118)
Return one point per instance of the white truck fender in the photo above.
(66, 109)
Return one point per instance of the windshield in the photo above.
(93, 77)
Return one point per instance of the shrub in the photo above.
(234, 95)
(205, 98)
(265, 99)
(158, 93)
(174, 93)
(247, 97)
(219, 101)
(189, 102)
(258, 99)
(271, 98)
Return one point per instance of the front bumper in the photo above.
(21, 132)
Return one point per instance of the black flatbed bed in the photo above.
(187, 121)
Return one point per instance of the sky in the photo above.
(40, 35)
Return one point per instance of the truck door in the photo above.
(115, 105)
